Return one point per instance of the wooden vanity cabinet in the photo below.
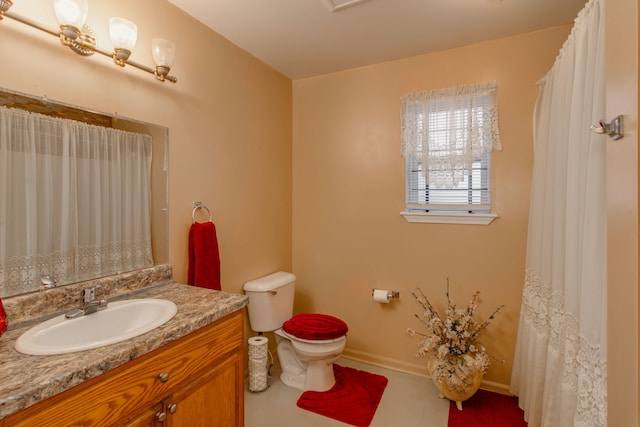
(191, 406)
(197, 380)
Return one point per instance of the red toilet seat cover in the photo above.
(309, 326)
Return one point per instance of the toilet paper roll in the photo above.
(258, 370)
(258, 347)
(381, 295)
(259, 340)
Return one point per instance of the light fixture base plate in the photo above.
(85, 44)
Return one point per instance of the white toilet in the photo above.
(308, 344)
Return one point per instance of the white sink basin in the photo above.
(121, 320)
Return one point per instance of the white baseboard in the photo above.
(419, 368)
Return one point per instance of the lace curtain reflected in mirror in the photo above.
(75, 201)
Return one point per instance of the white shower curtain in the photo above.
(75, 200)
(560, 364)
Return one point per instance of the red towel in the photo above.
(204, 257)
(308, 326)
(3, 319)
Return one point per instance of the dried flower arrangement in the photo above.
(453, 340)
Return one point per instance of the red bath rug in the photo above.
(353, 399)
(487, 409)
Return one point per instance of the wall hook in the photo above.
(615, 129)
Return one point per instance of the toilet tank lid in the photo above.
(270, 282)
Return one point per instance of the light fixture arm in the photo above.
(85, 47)
(31, 23)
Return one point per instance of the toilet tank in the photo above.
(270, 301)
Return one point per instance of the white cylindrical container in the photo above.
(258, 369)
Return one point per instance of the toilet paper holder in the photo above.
(390, 294)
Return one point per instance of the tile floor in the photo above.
(407, 401)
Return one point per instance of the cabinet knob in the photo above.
(161, 416)
(163, 377)
(172, 408)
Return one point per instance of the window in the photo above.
(447, 138)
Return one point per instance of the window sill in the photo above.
(449, 218)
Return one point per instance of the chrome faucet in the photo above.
(47, 282)
(88, 303)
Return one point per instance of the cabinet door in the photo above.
(149, 418)
(214, 400)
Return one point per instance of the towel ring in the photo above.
(196, 206)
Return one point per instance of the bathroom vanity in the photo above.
(187, 372)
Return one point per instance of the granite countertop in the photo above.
(27, 380)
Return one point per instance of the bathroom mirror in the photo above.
(158, 174)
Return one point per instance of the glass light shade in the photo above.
(163, 52)
(123, 33)
(71, 12)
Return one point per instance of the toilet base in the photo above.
(316, 378)
(293, 380)
(320, 376)
(313, 375)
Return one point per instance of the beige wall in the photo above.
(348, 190)
(229, 120)
(623, 319)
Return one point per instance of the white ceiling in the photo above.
(303, 38)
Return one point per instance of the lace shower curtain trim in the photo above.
(583, 370)
(469, 115)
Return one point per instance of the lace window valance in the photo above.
(448, 129)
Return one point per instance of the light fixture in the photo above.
(163, 52)
(73, 32)
(71, 16)
(124, 35)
